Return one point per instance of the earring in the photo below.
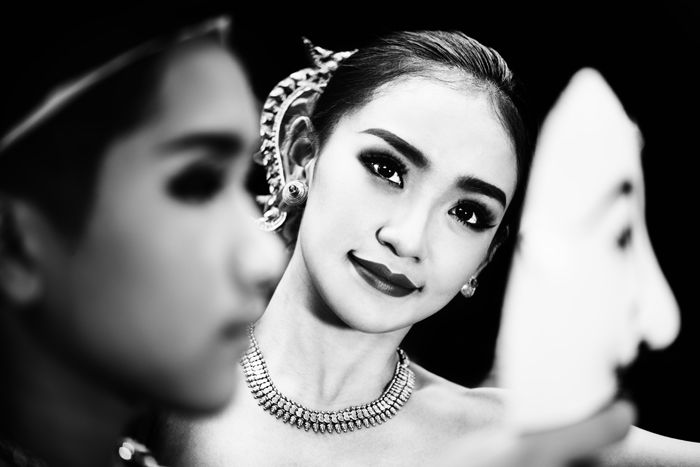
(469, 288)
(294, 193)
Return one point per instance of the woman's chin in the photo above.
(198, 397)
(373, 319)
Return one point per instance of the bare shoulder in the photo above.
(455, 408)
(642, 447)
(175, 438)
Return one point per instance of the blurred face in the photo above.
(406, 197)
(171, 268)
(585, 287)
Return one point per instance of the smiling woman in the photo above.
(410, 159)
(411, 208)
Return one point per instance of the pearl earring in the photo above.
(469, 288)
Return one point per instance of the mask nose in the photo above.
(658, 309)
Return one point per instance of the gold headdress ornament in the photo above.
(301, 89)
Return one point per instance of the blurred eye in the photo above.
(625, 238)
(198, 182)
(473, 216)
(385, 166)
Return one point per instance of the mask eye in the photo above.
(624, 240)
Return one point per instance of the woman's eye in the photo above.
(385, 167)
(384, 171)
(465, 215)
(474, 217)
(197, 183)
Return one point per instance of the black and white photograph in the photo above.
(345, 234)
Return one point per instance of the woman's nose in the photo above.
(259, 257)
(404, 233)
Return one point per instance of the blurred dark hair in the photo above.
(55, 166)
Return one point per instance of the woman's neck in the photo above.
(313, 357)
(53, 411)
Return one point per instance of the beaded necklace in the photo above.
(349, 419)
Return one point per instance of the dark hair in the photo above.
(56, 166)
(429, 54)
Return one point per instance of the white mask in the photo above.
(585, 288)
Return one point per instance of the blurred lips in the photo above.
(235, 334)
(381, 278)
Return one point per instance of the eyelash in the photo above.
(197, 183)
(375, 162)
(484, 218)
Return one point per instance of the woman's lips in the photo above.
(381, 278)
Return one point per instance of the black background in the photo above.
(647, 53)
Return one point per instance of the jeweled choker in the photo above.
(374, 413)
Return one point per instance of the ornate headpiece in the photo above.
(301, 89)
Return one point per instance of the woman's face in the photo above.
(171, 268)
(406, 197)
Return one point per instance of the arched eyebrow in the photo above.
(626, 187)
(477, 185)
(409, 151)
(220, 144)
(413, 154)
